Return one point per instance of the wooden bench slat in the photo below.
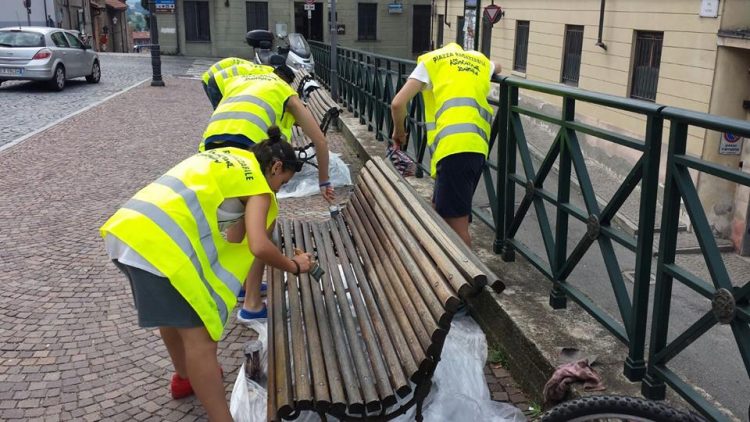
(319, 380)
(271, 370)
(361, 366)
(301, 374)
(377, 364)
(335, 384)
(355, 403)
(400, 299)
(443, 262)
(283, 380)
(434, 334)
(467, 261)
(375, 276)
(394, 373)
(432, 284)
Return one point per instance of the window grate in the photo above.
(256, 13)
(522, 46)
(572, 54)
(646, 63)
(197, 27)
(367, 19)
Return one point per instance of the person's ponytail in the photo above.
(274, 148)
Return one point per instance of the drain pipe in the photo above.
(599, 42)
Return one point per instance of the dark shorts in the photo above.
(456, 181)
(158, 303)
(213, 93)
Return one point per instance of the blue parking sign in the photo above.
(164, 4)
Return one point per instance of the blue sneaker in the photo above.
(263, 290)
(244, 316)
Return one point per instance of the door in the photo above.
(75, 59)
(311, 29)
(420, 38)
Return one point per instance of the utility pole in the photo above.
(334, 53)
(27, 5)
(156, 79)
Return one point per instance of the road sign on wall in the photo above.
(731, 144)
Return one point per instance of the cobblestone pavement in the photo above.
(28, 106)
(71, 348)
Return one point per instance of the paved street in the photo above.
(28, 106)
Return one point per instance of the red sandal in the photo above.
(180, 387)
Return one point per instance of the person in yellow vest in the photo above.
(216, 76)
(250, 105)
(176, 241)
(454, 84)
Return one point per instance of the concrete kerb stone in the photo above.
(519, 321)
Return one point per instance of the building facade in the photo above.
(693, 54)
(217, 28)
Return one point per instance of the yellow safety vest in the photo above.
(220, 78)
(172, 223)
(221, 65)
(458, 117)
(251, 104)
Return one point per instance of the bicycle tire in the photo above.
(595, 408)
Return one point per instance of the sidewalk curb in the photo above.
(17, 141)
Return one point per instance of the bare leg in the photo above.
(253, 301)
(461, 226)
(203, 371)
(176, 349)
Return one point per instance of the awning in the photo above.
(116, 4)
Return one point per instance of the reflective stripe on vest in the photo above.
(464, 102)
(244, 115)
(173, 230)
(253, 100)
(455, 130)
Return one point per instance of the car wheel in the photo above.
(96, 74)
(57, 83)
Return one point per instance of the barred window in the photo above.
(256, 14)
(571, 69)
(646, 62)
(196, 21)
(522, 46)
(367, 19)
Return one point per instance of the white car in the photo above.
(46, 54)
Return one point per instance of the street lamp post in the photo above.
(334, 53)
(156, 79)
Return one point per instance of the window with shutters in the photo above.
(197, 27)
(646, 62)
(571, 68)
(256, 14)
(522, 46)
(367, 21)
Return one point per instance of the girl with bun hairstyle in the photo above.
(186, 243)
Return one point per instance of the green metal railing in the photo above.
(367, 83)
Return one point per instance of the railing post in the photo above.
(652, 387)
(557, 297)
(508, 254)
(635, 365)
(503, 111)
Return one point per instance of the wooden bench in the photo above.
(363, 343)
(321, 105)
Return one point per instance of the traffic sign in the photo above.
(309, 6)
(309, 1)
(493, 13)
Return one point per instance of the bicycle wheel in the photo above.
(616, 408)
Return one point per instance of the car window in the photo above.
(21, 39)
(73, 40)
(59, 39)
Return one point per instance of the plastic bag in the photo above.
(459, 390)
(401, 161)
(249, 399)
(305, 183)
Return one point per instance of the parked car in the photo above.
(46, 54)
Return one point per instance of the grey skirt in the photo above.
(158, 303)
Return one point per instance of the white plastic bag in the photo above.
(249, 399)
(305, 183)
